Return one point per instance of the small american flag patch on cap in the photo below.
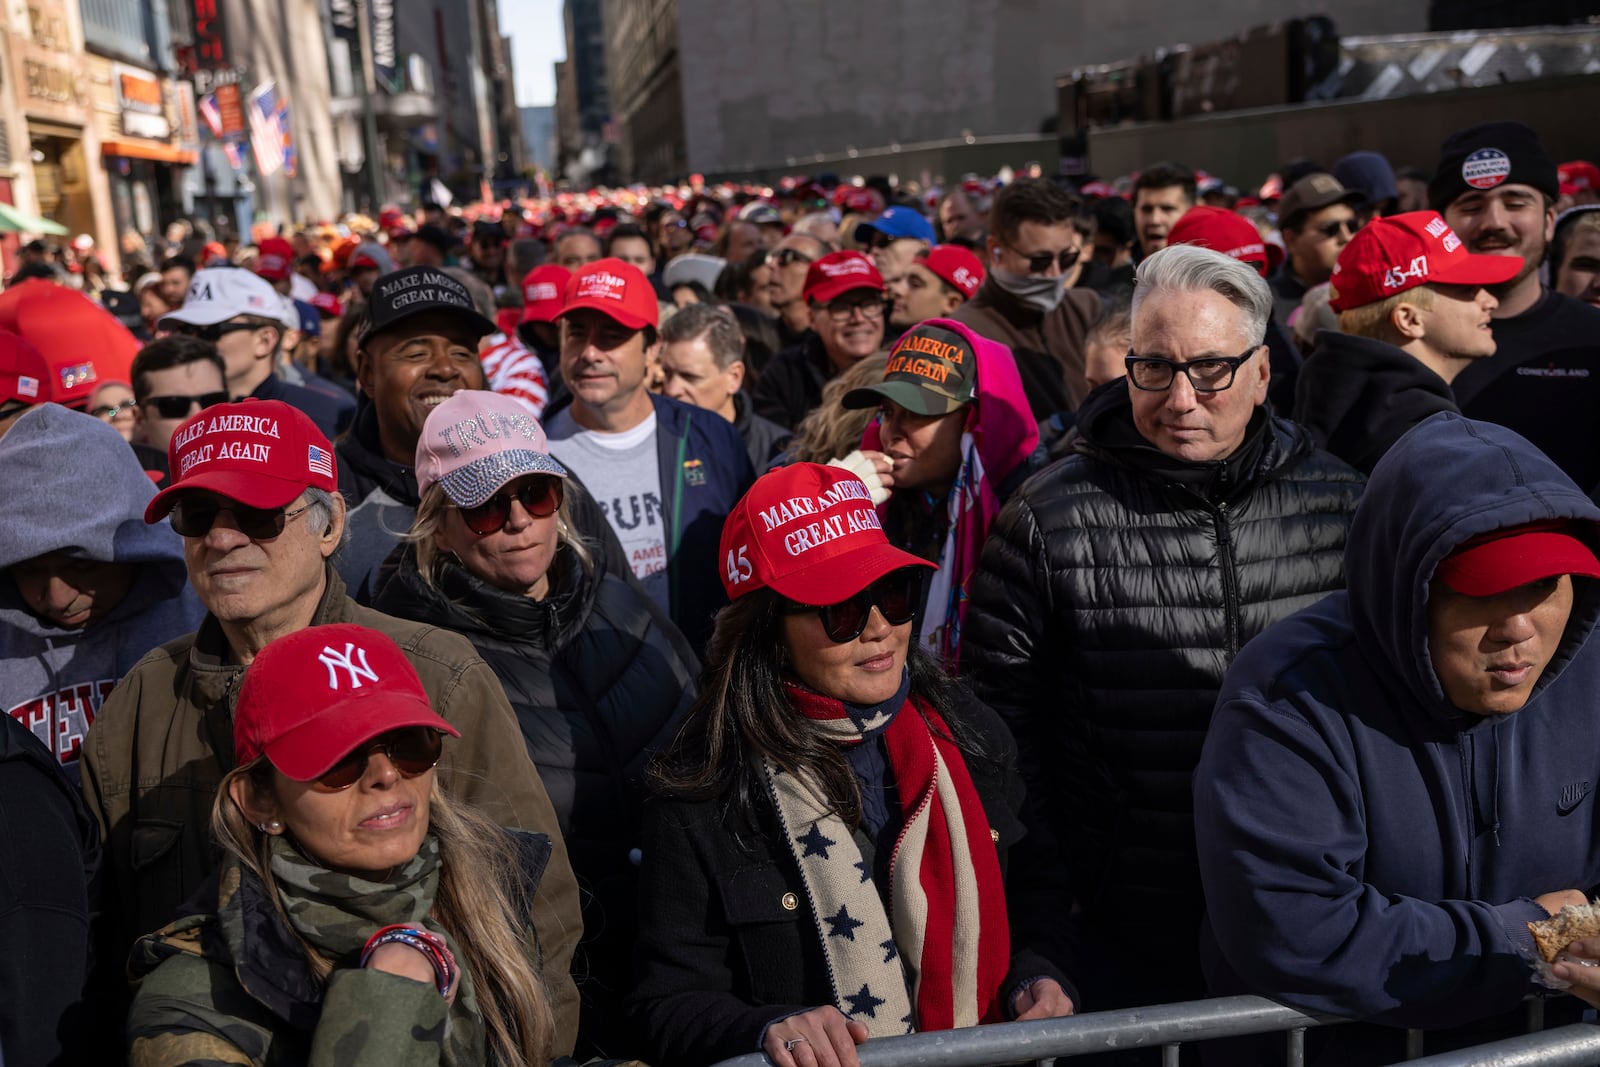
(319, 461)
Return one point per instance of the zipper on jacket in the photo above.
(1230, 578)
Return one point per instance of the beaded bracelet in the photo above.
(426, 942)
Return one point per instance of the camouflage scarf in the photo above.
(337, 912)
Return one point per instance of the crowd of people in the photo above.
(660, 625)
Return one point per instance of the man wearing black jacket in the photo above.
(1414, 311)
(1497, 186)
(1117, 585)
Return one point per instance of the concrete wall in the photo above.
(1245, 147)
(766, 80)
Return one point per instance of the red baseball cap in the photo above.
(956, 266)
(836, 274)
(328, 304)
(262, 453)
(809, 533)
(1580, 174)
(312, 697)
(276, 259)
(24, 372)
(1223, 231)
(1391, 255)
(616, 289)
(544, 292)
(1493, 563)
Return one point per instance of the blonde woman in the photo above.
(358, 917)
(596, 673)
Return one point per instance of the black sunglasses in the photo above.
(539, 497)
(215, 332)
(193, 516)
(177, 407)
(413, 750)
(897, 595)
(785, 256)
(1039, 263)
(1332, 228)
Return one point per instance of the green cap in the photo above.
(931, 371)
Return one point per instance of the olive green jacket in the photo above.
(163, 740)
(230, 984)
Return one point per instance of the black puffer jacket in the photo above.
(599, 679)
(1114, 590)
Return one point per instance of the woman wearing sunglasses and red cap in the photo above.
(597, 674)
(358, 916)
(830, 861)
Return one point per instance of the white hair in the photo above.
(1191, 268)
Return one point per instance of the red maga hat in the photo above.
(1232, 235)
(955, 265)
(838, 273)
(544, 292)
(809, 533)
(1494, 563)
(312, 697)
(276, 259)
(261, 453)
(1391, 255)
(616, 289)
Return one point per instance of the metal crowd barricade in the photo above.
(1577, 1045)
(1164, 1025)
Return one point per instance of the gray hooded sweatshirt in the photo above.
(71, 483)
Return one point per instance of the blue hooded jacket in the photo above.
(73, 485)
(1367, 849)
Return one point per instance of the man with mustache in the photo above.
(1497, 187)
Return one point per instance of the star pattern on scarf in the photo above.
(889, 951)
(911, 1026)
(842, 925)
(864, 1003)
(816, 844)
(866, 875)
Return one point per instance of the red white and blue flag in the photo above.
(319, 461)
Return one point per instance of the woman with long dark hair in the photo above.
(829, 860)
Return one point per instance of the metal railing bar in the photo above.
(1162, 1024)
(1577, 1045)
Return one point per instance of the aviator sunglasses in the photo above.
(177, 406)
(539, 496)
(413, 750)
(895, 595)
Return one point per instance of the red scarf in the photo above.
(948, 918)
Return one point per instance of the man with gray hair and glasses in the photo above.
(1118, 584)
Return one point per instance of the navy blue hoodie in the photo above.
(1366, 848)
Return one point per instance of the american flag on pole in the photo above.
(267, 130)
(211, 114)
(319, 461)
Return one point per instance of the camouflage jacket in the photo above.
(230, 983)
(164, 738)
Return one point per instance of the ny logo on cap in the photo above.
(346, 661)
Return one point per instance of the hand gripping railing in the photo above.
(1565, 1046)
(1166, 1025)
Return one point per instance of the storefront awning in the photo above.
(14, 221)
(161, 153)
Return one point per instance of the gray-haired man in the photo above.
(1117, 586)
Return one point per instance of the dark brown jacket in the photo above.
(1048, 347)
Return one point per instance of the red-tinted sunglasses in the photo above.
(540, 496)
(413, 750)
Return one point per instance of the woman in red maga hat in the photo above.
(829, 862)
(358, 916)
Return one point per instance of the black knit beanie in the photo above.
(1488, 155)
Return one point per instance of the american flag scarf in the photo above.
(937, 959)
